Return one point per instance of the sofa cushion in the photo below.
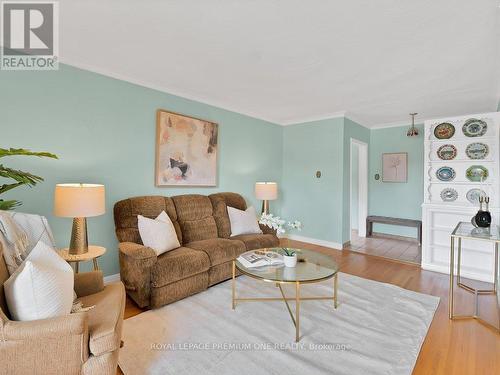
(257, 241)
(219, 250)
(178, 264)
(105, 319)
(126, 211)
(195, 215)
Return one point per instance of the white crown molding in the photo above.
(314, 118)
(153, 86)
(398, 124)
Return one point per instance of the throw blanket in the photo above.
(14, 241)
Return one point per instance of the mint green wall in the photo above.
(402, 200)
(103, 131)
(317, 202)
(354, 186)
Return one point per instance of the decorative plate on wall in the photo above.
(447, 152)
(449, 195)
(477, 150)
(445, 174)
(476, 173)
(445, 130)
(474, 194)
(474, 127)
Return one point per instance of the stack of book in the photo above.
(258, 258)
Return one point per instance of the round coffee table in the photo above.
(312, 267)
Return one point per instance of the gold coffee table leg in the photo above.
(297, 311)
(335, 287)
(234, 285)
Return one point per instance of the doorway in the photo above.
(358, 189)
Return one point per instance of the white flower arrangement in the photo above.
(278, 224)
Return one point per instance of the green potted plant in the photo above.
(21, 178)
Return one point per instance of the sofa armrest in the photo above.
(136, 262)
(88, 283)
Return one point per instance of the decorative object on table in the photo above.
(21, 178)
(483, 217)
(447, 152)
(278, 224)
(266, 191)
(474, 127)
(477, 150)
(79, 201)
(445, 130)
(449, 195)
(413, 131)
(473, 195)
(94, 253)
(445, 174)
(477, 173)
(395, 167)
(186, 150)
(289, 256)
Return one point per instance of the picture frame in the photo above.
(186, 150)
(395, 167)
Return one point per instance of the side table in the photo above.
(93, 253)
(467, 231)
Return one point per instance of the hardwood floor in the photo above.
(459, 347)
(399, 248)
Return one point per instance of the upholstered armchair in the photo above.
(79, 343)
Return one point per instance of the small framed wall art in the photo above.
(186, 150)
(395, 167)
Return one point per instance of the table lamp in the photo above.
(79, 201)
(266, 191)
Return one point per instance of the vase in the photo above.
(290, 261)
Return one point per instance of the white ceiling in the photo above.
(290, 61)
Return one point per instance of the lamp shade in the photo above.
(79, 200)
(266, 190)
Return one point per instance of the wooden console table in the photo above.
(393, 221)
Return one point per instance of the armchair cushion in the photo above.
(105, 320)
(87, 283)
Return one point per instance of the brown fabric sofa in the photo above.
(79, 343)
(206, 253)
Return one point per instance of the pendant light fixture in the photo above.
(413, 131)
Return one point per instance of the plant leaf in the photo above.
(9, 205)
(24, 177)
(24, 152)
(6, 187)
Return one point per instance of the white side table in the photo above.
(93, 253)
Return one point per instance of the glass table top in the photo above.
(467, 230)
(311, 266)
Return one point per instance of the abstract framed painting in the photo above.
(395, 167)
(186, 150)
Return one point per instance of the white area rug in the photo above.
(377, 329)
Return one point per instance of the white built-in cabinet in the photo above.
(440, 217)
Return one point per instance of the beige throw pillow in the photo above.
(243, 222)
(158, 234)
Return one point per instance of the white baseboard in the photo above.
(111, 278)
(315, 241)
(466, 274)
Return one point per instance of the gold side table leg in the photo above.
(77, 267)
(297, 311)
(233, 286)
(452, 269)
(335, 288)
(96, 266)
